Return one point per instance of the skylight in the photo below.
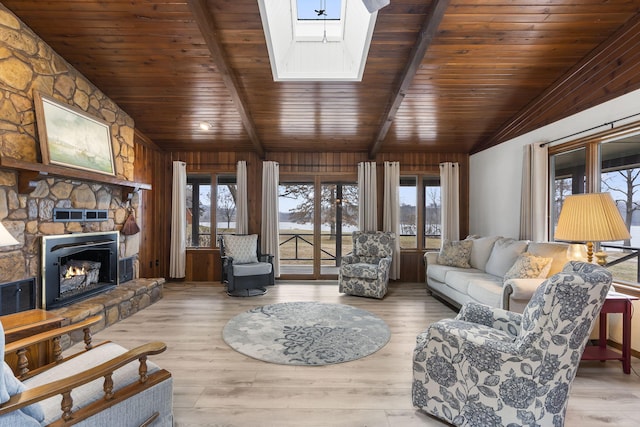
(306, 46)
(311, 9)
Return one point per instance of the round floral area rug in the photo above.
(306, 333)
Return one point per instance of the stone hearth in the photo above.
(114, 305)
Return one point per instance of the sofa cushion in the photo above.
(557, 251)
(486, 290)
(439, 272)
(252, 269)
(455, 253)
(243, 249)
(377, 244)
(361, 270)
(481, 250)
(504, 253)
(462, 280)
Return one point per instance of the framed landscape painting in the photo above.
(71, 137)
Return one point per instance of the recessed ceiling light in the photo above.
(205, 125)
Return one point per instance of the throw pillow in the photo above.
(503, 255)
(481, 250)
(556, 251)
(529, 266)
(455, 254)
(243, 249)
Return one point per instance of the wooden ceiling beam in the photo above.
(425, 36)
(209, 31)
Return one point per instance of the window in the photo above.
(605, 164)
(200, 215)
(408, 212)
(309, 10)
(226, 190)
(198, 211)
(432, 204)
(568, 177)
(423, 191)
(620, 176)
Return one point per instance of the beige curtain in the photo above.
(535, 193)
(450, 194)
(391, 217)
(367, 195)
(270, 239)
(242, 210)
(177, 264)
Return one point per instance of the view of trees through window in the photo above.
(432, 209)
(408, 212)
(198, 204)
(200, 216)
(226, 191)
(619, 174)
(338, 217)
(568, 178)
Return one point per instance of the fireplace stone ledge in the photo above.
(116, 304)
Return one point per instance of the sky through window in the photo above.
(307, 9)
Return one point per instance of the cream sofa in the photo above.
(490, 259)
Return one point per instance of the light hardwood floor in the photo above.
(215, 386)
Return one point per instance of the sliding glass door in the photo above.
(338, 218)
(316, 220)
(296, 203)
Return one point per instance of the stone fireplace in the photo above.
(77, 266)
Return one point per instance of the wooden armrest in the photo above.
(48, 335)
(65, 385)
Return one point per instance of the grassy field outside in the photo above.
(626, 271)
(305, 243)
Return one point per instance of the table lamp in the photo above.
(592, 217)
(6, 238)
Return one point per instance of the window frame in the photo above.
(423, 186)
(591, 144)
(196, 180)
(219, 177)
(421, 180)
(411, 181)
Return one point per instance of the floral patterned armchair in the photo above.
(492, 367)
(365, 272)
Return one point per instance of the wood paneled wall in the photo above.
(155, 213)
(204, 264)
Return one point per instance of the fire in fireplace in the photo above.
(76, 266)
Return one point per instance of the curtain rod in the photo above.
(611, 123)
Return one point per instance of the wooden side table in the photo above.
(27, 323)
(615, 303)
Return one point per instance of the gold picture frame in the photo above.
(71, 137)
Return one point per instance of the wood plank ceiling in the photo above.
(441, 75)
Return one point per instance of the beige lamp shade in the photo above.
(590, 218)
(6, 238)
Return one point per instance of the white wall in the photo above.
(495, 174)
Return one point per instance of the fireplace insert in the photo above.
(77, 266)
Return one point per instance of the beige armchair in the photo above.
(100, 386)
